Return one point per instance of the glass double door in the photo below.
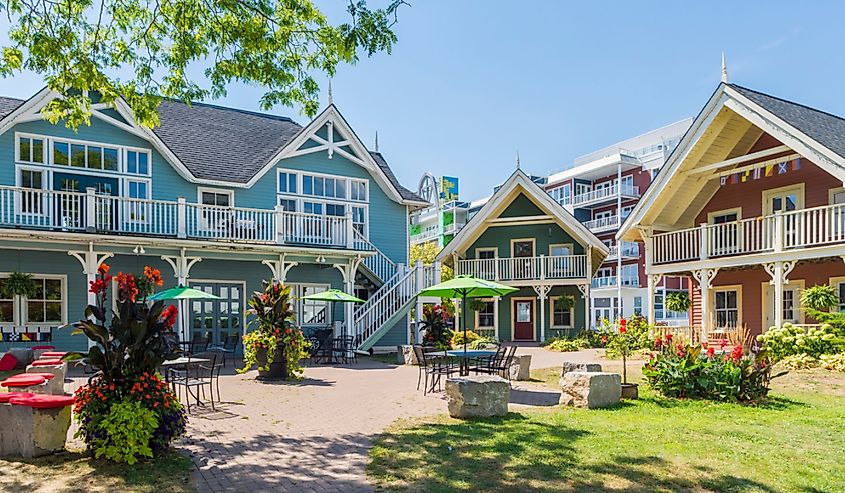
(217, 319)
(70, 210)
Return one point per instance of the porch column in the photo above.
(585, 292)
(420, 280)
(542, 291)
(496, 317)
(653, 280)
(705, 278)
(182, 271)
(90, 261)
(778, 271)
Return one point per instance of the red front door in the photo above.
(523, 320)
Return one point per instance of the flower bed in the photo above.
(700, 372)
(126, 412)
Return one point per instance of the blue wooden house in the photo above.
(216, 198)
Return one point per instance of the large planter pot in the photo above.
(278, 368)
(630, 391)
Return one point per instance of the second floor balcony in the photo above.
(630, 250)
(552, 267)
(89, 212)
(801, 232)
(603, 224)
(611, 281)
(604, 195)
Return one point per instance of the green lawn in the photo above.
(795, 442)
(77, 473)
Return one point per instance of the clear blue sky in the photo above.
(470, 82)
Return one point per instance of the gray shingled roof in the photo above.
(404, 192)
(8, 105)
(225, 144)
(826, 129)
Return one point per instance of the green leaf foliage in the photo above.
(820, 297)
(142, 50)
(678, 301)
(127, 430)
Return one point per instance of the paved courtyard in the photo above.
(315, 435)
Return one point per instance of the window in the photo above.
(31, 202)
(359, 219)
(486, 316)
(358, 191)
(727, 308)
(85, 156)
(288, 204)
(310, 312)
(30, 150)
(627, 210)
(560, 250)
(841, 288)
(287, 182)
(222, 198)
(7, 305)
(724, 218)
(628, 185)
(137, 162)
(46, 305)
(137, 189)
(137, 211)
(485, 253)
(638, 305)
(562, 194)
(582, 188)
(561, 317)
(630, 275)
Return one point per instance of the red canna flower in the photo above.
(153, 275)
(622, 329)
(669, 337)
(710, 352)
(103, 269)
(168, 316)
(658, 342)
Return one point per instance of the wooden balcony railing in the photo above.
(525, 268)
(107, 214)
(805, 228)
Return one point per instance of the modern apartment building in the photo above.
(600, 189)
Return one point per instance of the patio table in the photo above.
(464, 356)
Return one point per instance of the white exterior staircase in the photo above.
(393, 301)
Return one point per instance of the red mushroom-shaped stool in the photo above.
(55, 382)
(34, 424)
(49, 365)
(53, 354)
(26, 382)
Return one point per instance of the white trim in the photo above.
(495, 250)
(495, 315)
(571, 247)
(769, 193)
(20, 307)
(712, 303)
(216, 191)
(533, 242)
(724, 212)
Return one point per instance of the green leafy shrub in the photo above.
(481, 343)
(801, 361)
(125, 432)
(791, 340)
(698, 372)
(458, 338)
(638, 334)
(834, 362)
(567, 345)
(819, 297)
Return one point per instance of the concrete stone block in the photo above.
(520, 368)
(569, 366)
(477, 396)
(590, 389)
(29, 432)
(24, 355)
(56, 385)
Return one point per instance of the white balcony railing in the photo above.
(629, 250)
(91, 212)
(602, 224)
(792, 230)
(424, 236)
(605, 193)
(609, 281)
(525, 268)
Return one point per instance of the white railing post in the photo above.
(419, 278)
(779, 231)
(703, 250)
(350, 230)
(542, 266)
(279, 221)
(438, 272)
(181, 218)
(90, 209)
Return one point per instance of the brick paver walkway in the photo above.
(315, 435)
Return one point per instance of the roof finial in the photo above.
(331, 99)
(724, 69)
(517, 159)
(376, 140)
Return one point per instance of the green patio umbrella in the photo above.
(180, 293)
(467, 287)
(334, 296)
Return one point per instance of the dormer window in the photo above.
(30, 150)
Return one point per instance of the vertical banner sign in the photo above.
(448, 188)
